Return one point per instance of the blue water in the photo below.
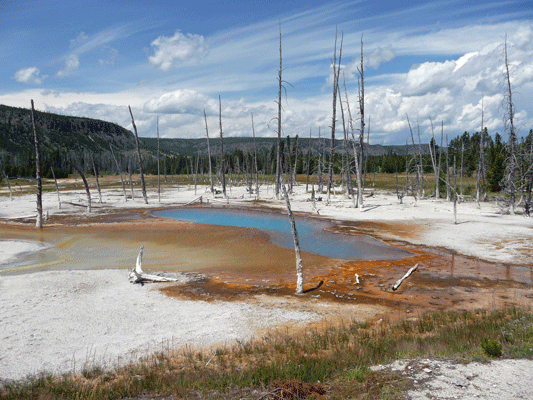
(311, 232)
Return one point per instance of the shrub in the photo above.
(491, 347)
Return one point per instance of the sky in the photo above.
(437, 62)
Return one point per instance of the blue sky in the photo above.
(425, 59)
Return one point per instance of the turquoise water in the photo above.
(311, 232)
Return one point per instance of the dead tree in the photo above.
(255, 162)
(9, 187)
(57, 188)
(308, 162)
(119, 172)
(130, 168)
(222, 160)
(357, 201)
(158, 170)
(137, 275)
(209, 154)
(38, 174)
(97, 182)
(433, 154)
(336, 73)
(421, 160)
(361, 71)
(454, 191)
(348, 162)
(512, 163)
(480, 187)
(143, 187)
(280, 84)
(299, 265)
(417, 166)
(87, 191)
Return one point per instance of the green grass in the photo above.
(339, 357)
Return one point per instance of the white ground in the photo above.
(57, 321)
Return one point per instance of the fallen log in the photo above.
(137, 275)
(400, 281)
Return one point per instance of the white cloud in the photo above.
(110, 54)
(30, 75)
(379, 56)
(81, 38)
(185, 101)
(168, 51)
(72, 63)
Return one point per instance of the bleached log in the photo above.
(137, 275)
(400, 281)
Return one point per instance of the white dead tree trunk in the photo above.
(57, 188)
(433, 154)
(39, 220)
(255, 162)
(222, 156)
(143, 186)
(403, 278)
(481, 168)
(278, 155)
(361, 71)
(87, 191)
(119, 172)
(209, 155)
(512, 163)
(137, 275)
(357, 200)
(97, 182)
(9, 186)
(336, 73)
(299, 265)
(158, 170)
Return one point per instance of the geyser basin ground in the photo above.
(313, 234)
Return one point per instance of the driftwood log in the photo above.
(403, 278)
(137, 275)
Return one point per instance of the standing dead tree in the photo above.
(209, 155)
(512, 163)
(480, 187)
(57, 187)
(280, 85)
(119, 172)
(139, 157)
(417, 165)
(357, 202)
(299, 265)
(256, 169)
(9, 186)
(361, 71)
(336, 73)
(222, 156)
(158, 169)
(87, 191)
(96, 177)
(38, 174)
(436, 167)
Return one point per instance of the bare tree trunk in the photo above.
(308, 162)
(462, 157)
(119, 172)
(255, 162)
(158, 170)
(209, 155)
(447, 171)
(130, 167)
(454, 191)
(347, 167)
(433, 154)
(418, 192)
(9, 186)
(97, 182)
(481, 168)
(222, 161)
(196, 172)
(362, 128)
(143, 186)
(39, 220)
(87, 191)
(278, 156)
(57, 188)
(320, 158)
(421, 160)
(336, 73)
(293, 178)
(299, 265)
(359, 201)
(512, 164)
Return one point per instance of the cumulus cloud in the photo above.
(185, 101)
(72, 63)
(379, 56)
(168, 51)
(30, 75)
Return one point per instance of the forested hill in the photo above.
(191, 147)
(59, 133)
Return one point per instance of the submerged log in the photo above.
(137, 275)
(400, 281)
